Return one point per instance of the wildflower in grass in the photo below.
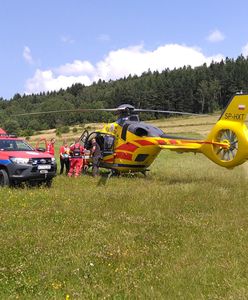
(56, 285)
(67, 297)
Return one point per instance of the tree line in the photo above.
(202, 89)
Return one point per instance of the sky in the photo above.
(46, 45)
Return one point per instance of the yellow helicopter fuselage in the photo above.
(132, 154)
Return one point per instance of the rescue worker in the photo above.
(64, 153)
(50, 146)
(96, 155)
(76, 160)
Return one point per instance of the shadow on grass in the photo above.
(104, 177)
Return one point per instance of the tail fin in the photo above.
(231, 130)
(237, 109)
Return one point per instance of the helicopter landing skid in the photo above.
(144, 172)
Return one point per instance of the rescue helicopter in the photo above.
(129, 145)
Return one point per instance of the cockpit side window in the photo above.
(134, 118)
(141, 131)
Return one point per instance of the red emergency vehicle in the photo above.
(20, 162)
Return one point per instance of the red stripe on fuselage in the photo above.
(109, 159)
(127, 147)
(123, 155)
(144, 142)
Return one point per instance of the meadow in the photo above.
(179, 233)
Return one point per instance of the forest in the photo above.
(203, 89)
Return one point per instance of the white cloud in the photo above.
(245, 50)
(77, 67)
(47, 81)
(215, 36)
(136, 60)
(117, 64)
(27, 55)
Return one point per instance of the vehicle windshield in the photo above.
(14, 145)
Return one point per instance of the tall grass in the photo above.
(179, 233)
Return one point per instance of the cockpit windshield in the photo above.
(123, 119)
(14, 145)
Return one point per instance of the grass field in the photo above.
(179, 233)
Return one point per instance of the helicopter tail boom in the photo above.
(227, 142)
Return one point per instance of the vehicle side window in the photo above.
(6, 145)
(1, 145)
(14, 145)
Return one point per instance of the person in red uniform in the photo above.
(50, 146)
(64, 153)
(76, 161)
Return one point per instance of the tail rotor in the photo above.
(230, 138)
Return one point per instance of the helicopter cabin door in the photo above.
(105, 141)
(108, 144)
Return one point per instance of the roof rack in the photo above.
(8, 135)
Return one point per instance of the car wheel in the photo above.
(4, 178)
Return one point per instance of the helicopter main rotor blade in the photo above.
(67, 110)
(168, 112)
(121, 109)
